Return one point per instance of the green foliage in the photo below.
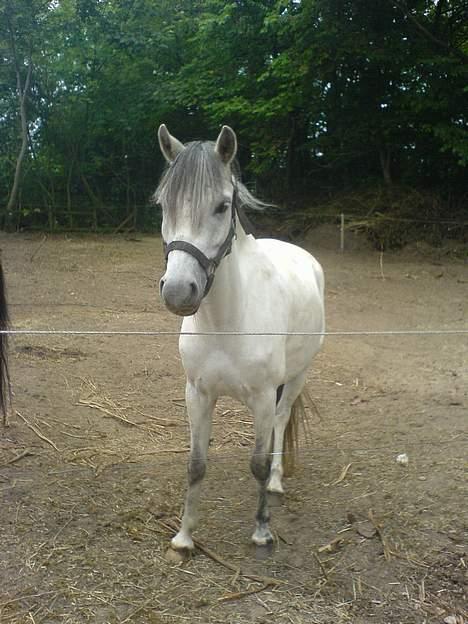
(325, 95)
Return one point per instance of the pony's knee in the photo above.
(196, 470)
(260, 467)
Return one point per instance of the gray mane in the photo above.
(197, 168)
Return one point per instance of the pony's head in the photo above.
(196, 194)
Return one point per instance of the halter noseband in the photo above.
(209, 265)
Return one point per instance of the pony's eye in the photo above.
(221, 208)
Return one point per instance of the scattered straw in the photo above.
(171, 527)
(242, 594)
(386, 549)
(321, 566)
(16, 458)
(97, 400)
(37, 431)
(342, 476)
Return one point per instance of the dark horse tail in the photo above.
(5, 389)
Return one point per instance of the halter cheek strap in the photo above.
(209, 265)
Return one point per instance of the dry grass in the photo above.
(125, 411)
(98, 553)
(86, 528)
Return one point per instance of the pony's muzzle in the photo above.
(181, 297)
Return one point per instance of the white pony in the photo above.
(223, 280)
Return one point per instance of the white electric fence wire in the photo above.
(108, 332)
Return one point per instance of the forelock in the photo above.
(196, 169)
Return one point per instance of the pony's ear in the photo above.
(169, 145)
(226, 144)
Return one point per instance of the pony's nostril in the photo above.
(161, 286)
(193, 289)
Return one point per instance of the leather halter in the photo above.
(209, 265)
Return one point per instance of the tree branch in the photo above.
(427, 33)
(23, 90)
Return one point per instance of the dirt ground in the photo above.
(92, 465)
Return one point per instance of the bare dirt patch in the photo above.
(92, 470)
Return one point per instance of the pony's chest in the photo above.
(229, 365)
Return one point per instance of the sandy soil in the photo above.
(92, 466)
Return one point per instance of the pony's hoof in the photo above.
(182, 541)
(262, 537)
(177, 556)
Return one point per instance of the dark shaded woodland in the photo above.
(330, 99)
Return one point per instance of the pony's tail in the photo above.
(5, 387)
(299, 418)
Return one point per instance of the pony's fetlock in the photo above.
(275, 485)
(262, 535)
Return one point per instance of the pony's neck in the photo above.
(222, 307)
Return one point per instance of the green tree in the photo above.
(325, 95)
(19, 31)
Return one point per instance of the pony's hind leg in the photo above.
(263, 409)
(290, 393)
(200, 411)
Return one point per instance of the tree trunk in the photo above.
(385, 161)
(94, 201)
(69, 194)
(22, 96)
(22, 93)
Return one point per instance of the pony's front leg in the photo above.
(263, 408)
(200, 411)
